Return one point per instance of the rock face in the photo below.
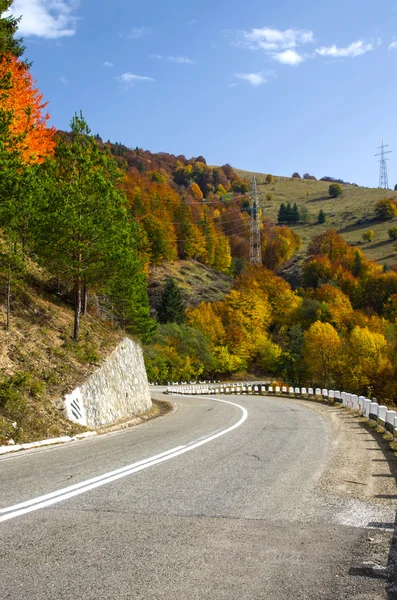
(117, 390)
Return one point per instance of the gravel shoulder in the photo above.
(362, 479)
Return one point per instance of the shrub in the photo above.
(304, 214)
(392, 233)
(296, 176)
(386, 208)
(269, 197)
(335, 190)
(321, 217)
(269, 179)
(369, 235)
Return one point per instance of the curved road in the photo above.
(219, 500)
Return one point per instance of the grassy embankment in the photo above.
(39, 361)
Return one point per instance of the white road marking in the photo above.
(86, 483)
(40, 502)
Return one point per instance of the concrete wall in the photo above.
(117, 390)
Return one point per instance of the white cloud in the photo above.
(355, 49)
(252, 78)
(138, 32)
(46, 18)
(393, 46)
(288, 57)
(182, 60)
(129, 79)
(269, 39)
(63, 80)
(108, 64)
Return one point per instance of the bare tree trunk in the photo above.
(77, 306)
(8, 296)
(84, 299)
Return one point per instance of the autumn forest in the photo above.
(96, 217)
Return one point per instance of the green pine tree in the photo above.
(171, 308)
(321, 217)
(126, 288)
(14, 191)
(295, 213)
(84, 228)
(288, 213)
(357, 264)
(281, 213)
(8, 29)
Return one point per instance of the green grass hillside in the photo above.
(351, 214)
(197, 282)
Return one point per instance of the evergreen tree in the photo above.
(357, 264)
(288, 213)
(12, 196)
(321, 217)
(126, 288)
(84, 228)
(295, 214)
(171, 308)
(8, 29)
(281, 213)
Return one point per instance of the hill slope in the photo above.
(39, 362)
(351, 214)
(197, 282)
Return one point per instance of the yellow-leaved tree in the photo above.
(321, 351)
(368, 368)
(222, 255)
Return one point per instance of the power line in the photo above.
(199, 203)
(240, 229)
(383, 179)
(245, 219)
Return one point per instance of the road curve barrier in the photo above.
(380, 414)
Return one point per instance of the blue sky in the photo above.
(274, 87)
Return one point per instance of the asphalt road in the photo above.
(215, 501)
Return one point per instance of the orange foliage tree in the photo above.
(279, 244)
(338, 305)
(24, 105)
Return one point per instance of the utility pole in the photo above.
(255, 230)
(383, 179)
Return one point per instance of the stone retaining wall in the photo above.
(118, 390)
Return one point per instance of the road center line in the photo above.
(46, 500)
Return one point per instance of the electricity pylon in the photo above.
(255, 230)
(383, 179)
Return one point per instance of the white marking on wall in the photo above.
(75, 407)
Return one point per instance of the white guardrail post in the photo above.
(364, 406)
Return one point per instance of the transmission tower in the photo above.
(255, 230)
(383, 180)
